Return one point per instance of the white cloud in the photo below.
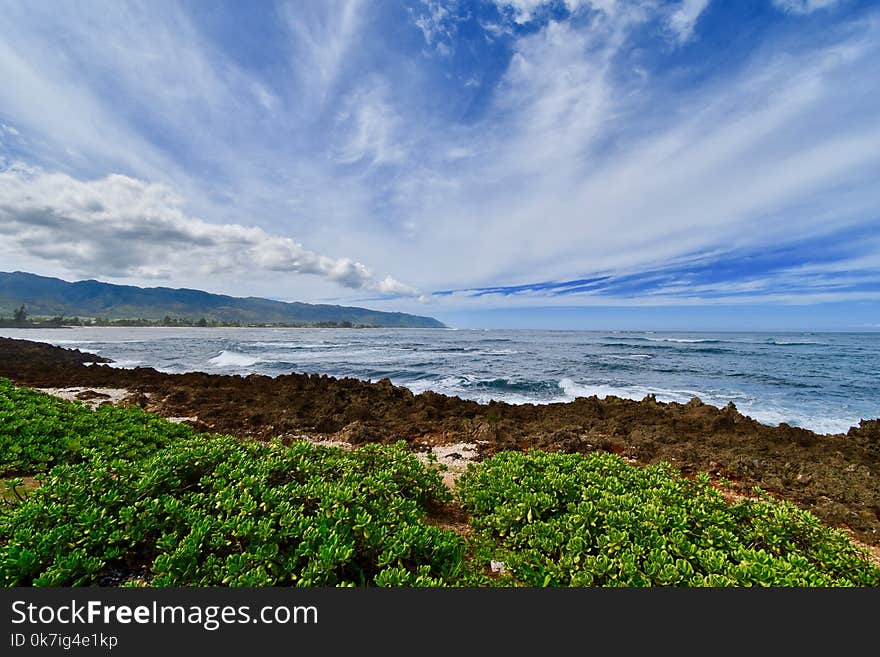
(522, 9)
(804, 6)
(122, 227)
(577, 158)
(144, 91)
(555, 98)
(578, 170)
(366, 128)
(683, 20)
(136, 90)
(525, 11)
(438, 24)
(389, 285)
(322, 36)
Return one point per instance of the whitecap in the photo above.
(789, 343)
(124, 364)
(73, 341)
(685, 340)
(600, 390)
(229, 358)
(293, 345)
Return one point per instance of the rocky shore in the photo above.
(837, 477)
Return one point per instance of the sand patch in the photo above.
(28, 484)
(182, 419)
(93, 397)
(456, 457)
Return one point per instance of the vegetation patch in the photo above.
(39, 431)
(130, 498)
(566, 520)
(220, 512)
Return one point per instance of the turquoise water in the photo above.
(821, 381)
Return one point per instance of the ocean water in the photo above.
(826, 382)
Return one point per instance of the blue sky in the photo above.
(573, 163)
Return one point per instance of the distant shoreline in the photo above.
(27, 297)
(125, 323)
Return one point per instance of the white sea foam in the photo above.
(788, 343)
(356, 355)
(125, 364)
(463, 386)
(775, 416)
(573, 390)
(294, 345)
(686, 340)
(452, 384)
(229, 358)
(758, 380)
(73, 341)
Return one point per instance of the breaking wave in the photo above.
(229, 358)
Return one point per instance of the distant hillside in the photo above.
(53, 296)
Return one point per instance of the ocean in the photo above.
(825, 382)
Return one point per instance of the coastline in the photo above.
(837, 477)
(768, 376)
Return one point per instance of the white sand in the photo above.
(109, 395)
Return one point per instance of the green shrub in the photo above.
(135, 499)
(565, 520)
(38, 431)
(216, 511)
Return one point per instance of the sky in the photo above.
(492, 163)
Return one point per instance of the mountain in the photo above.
(53, 296)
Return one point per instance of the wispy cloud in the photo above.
(805, 6)
(762, 160)
(366, 127)
(504, 152)
(322, 37)
(524, 11)
(122, 227)
(844, 264)
(438, 20)
(684, 18)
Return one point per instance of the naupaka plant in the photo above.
(567, 520)
(39, 431)
(129, 498)
(216, 511)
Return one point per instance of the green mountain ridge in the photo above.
(45, 296)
